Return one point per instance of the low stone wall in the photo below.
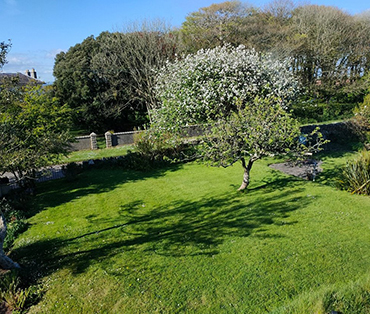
(121, 138)
(339, 132)
(87, 142)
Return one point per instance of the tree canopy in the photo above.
(238, 97)
(206, 85)
(34, 130)
(327, 46)
(108, 80)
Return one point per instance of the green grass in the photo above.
(96, 154)
(183, 240)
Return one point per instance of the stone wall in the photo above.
(87, 142)
(121, 138)
(339, 132)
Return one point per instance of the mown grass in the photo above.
(83, 155)
(183, 240)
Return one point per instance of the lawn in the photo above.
(83, 155)
(183, 240)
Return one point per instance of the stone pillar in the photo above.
(93, 141)
(108, 139)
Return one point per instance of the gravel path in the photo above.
(306, 170)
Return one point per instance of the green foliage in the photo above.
(78, 86)
(156, 145)
(313, 111)
(362, 112)
(328, 48)
(356, 174)
(108, 80)
(259, 129)
(15, 220)
(16, 297)
(4, 48)
(34, 130)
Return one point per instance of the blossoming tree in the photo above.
(239, 97)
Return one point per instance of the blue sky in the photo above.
(39, 29)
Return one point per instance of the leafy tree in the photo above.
(264, 29)
(239, 97)
(78, 86)
(34, 129)
(256, 130)
(330, 48)
(128, 60)
(108, 80)
(220, 23)
(4, 48)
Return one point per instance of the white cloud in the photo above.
(52, 53)
(19, 62)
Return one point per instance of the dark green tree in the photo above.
(108, 80)
(78, 86)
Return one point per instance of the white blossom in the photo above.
(209, 82)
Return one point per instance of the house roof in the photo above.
(23, 79)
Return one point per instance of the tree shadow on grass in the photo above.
(94, 181)
(177, 229)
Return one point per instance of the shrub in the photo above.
(158, 145)
(311, 111)
(15, 220)
(356, 174)
(362, 112)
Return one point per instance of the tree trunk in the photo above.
(5, 261)
(247, 169)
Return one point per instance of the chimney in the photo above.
(27, 73)
(33, 74)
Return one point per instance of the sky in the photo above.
(40, 29)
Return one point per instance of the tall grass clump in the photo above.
(356, 174)
(15, 295)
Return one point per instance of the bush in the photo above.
(15, 220)
(158, 145)
(356, 174)
(311, 111)
(362, 112)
